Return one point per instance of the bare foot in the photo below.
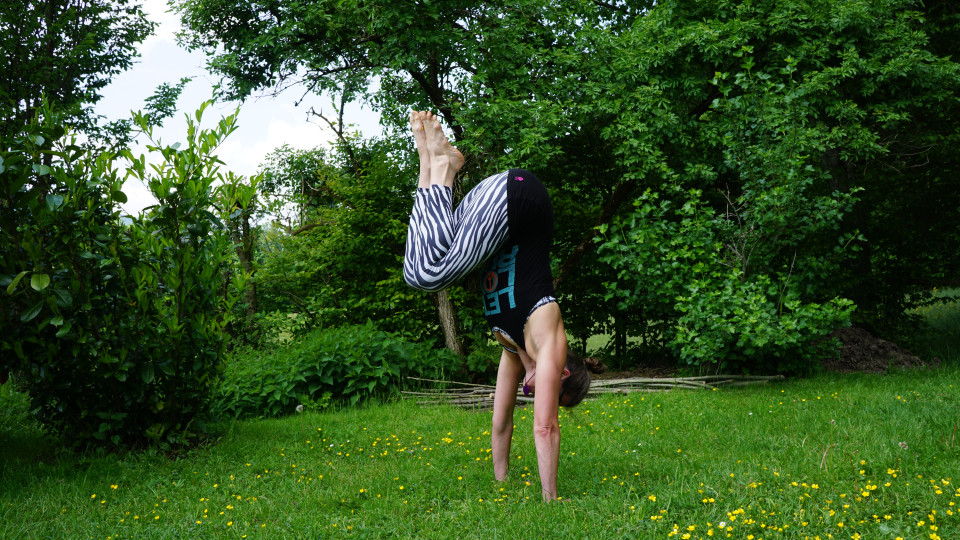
(445, 160)
(420, 138)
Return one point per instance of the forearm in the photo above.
(504, 401)
(547, 441)
(501, 439)
(550, 346)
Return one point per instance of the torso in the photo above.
(517, 279)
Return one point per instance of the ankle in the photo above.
(443, 174)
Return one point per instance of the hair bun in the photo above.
(594, 365)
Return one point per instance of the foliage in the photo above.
(65, 53)
(347, 363)
(941, 318)
(341, 265)
(717, 314)
(115, 324)
(756, 104)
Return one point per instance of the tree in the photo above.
(64, 53)
(608, 100)
(448, 56)
(238, 201)
(341, 264)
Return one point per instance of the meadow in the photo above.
(855, 456)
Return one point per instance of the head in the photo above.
(574, 388)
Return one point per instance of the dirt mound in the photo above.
(862, 352)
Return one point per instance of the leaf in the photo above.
(147, 374)
(63, 297)
(120, 196)
(39, 282)
(13, 284)
(54, 201)
(32, 312)
(42, 170)
(65, 330)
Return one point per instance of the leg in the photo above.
(443, 245)
(445, 160)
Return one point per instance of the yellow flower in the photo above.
(653, 498)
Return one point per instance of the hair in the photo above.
(578, 383)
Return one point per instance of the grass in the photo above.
(830, 457)
(854, 456)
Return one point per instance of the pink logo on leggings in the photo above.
(519, 179)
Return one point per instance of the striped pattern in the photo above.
(443, 245)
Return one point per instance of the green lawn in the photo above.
(854, 456)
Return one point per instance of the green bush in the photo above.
(673, 265)
(345, 364)
(115, 325)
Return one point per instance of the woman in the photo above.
(505, 223)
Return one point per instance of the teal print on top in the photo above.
(500, 271)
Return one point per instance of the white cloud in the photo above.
(245, 154)
(168, 24)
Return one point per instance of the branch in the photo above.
(481, 396)
(608, 5)
(337, 128)
(620, 194)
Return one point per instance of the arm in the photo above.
(549, 341)
(509, 375)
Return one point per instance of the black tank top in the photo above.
(517, 279)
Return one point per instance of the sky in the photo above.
(265, 123)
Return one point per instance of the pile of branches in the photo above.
(480, 396)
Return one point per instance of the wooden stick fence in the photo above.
(480, 396)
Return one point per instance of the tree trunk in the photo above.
(243, 245)
(448, 322)
(620, 338)
(246, 259)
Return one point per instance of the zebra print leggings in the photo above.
(444, 245)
